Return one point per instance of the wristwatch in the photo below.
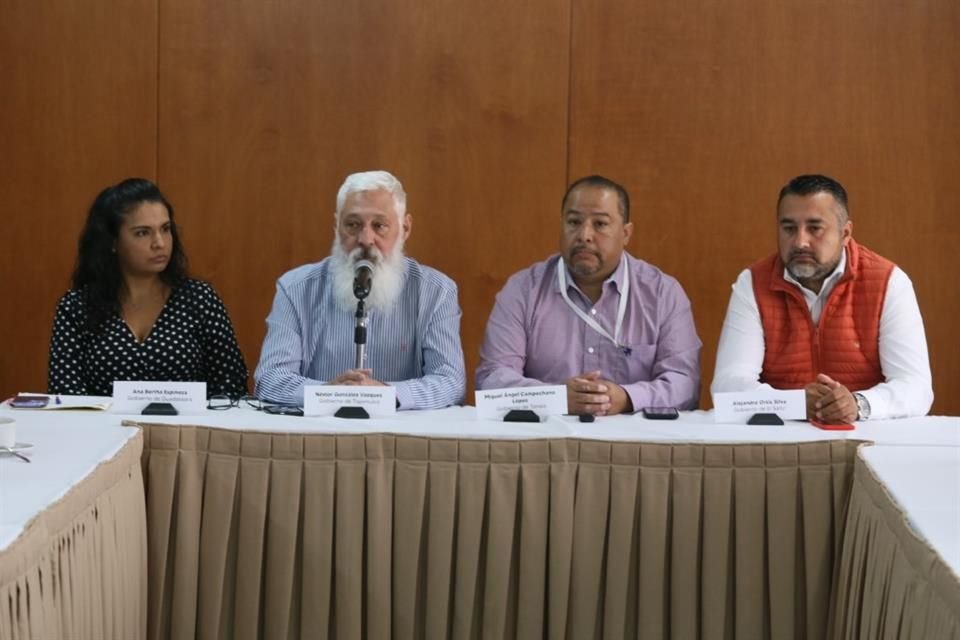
(863, 406)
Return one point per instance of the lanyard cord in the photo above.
(593, 324)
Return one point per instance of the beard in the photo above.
(809, 271)
(387, 280)
(580, 268)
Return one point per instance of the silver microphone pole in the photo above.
(360, 336)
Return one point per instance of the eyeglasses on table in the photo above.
(222, 402)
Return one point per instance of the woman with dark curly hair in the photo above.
(133, 313)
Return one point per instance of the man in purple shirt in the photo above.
(616, 330)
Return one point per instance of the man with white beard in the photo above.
(413, 325)
(827, 315)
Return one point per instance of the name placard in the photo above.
(738, 407)
(132, 396)
(324, 400)
(493, 404)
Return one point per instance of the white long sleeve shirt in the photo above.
(907, 389)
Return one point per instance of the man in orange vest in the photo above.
(827, 315)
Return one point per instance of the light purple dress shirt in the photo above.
(533, 337)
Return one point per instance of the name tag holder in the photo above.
(521, 404)
(740, 407)
(353, 413)
(134, 396)
(349, 401)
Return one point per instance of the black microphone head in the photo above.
(362, 279)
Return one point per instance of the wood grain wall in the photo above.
(78, 107)
(250, 113)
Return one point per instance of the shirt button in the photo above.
(593, 311)
(590, 350)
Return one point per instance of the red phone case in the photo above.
(832, 427)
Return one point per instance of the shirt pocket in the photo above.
(634, 363)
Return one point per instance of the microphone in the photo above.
(362, 279)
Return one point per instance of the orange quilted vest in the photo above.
(845, 345)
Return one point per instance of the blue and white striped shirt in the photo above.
(414, 347)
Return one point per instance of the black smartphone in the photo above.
(283, 410)
(660, 413)
(159, 409)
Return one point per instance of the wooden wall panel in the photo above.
(704, 109)
(78, 112)
(266, 107)
(249, 114)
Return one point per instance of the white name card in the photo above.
(738, 407)
(132, 396)
(324, 400)
(493, 404)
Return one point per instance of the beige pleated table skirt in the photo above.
(892, 584)
(78, 570)
(276, 535)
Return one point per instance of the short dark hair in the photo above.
(808, 185)
(603, 183)
(97, 271)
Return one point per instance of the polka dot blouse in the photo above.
(192, 340)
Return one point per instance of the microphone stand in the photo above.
(360, 336)
(360, 346)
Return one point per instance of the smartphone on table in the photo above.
(283, 410)
(29, 401)
(660, 413)
(832, 427)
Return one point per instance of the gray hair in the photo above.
(373, 181)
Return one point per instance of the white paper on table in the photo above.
(737, 407)
(493, 404)
(325, 400)
(133, 396)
